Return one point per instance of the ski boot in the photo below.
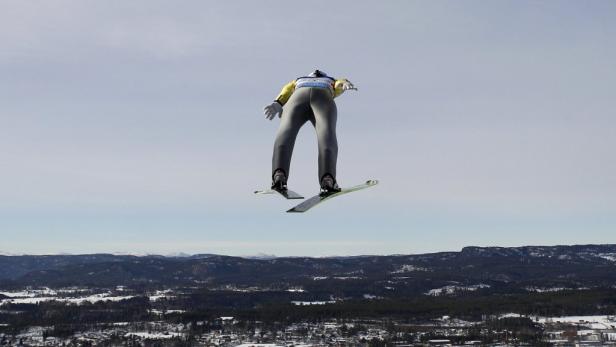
(279, 180)
(329, 185)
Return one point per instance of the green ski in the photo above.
(317, 199)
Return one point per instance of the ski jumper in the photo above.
(308, 99)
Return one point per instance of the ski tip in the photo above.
(264, 191)
(299, 209)
(372, 182)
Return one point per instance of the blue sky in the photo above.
(137, 126)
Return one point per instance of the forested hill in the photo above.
(535, 268)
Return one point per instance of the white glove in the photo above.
(272, 110)
(347, 85)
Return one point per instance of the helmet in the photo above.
(318, 73)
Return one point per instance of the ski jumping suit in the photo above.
(308, 99)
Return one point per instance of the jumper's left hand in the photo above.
(272, 110)
(347, 85)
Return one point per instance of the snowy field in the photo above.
(76, 300)
(68, 295)
(75, 295)
(153, 336)
(308, 303)
(593, 322)
(449, 290)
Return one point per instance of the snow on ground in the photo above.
(34, 333)
(552, 289)
(20, 294)
(166, 311)
(510, 315)
(161, 294)
(30, 293)
(449, 290)
(456, 322)
(28, 299)
(594, 322)
(543, 290)
(409, 268)
(295, 290)
(607, 256)
(96, 298)
(307, 303)
(370, 296)
(147, 335)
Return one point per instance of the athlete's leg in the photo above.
(295, 113)
(325, 115)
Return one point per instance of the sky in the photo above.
(137, 126)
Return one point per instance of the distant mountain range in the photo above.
(477, 269)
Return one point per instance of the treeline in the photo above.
(73, 316)
(470, 306)
(276, 308)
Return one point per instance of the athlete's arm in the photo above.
(286, 92)
(342, 85)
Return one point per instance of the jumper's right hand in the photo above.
(272, 110)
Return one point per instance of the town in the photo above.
(175, 327)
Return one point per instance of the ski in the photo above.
(288, 194)
(317, 199)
